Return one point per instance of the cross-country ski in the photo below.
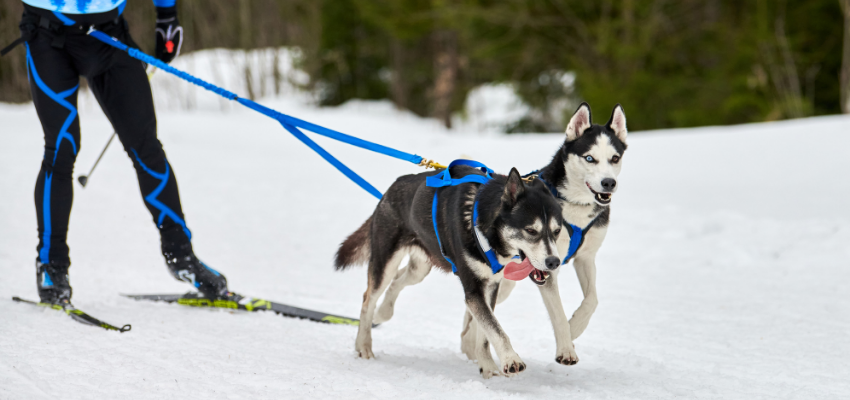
(249, 304)
(76, 314)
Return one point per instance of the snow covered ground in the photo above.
(725, 273)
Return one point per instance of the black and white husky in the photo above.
(481, 228)
(583, 176)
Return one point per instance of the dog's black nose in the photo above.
(608, 184)
(552, 262)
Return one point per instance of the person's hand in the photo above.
(169, 34)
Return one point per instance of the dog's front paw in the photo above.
(364, 350)
(488, 368)
(488, 373)
(365, 353)
(567, 356)
(512, 365)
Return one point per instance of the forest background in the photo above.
(671, 63)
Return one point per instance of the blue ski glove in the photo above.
(169, 34)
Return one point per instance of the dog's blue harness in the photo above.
(443, 179)
(577, 234)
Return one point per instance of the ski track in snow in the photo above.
(724, 274)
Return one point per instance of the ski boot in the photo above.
(185, 266)
(53, 284)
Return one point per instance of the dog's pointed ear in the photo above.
(513, 188)
(617, 123)
(579, 122)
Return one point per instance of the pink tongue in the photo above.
(518, 272)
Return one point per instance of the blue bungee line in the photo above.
(289, 123)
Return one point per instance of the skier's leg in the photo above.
(54, 82)
(124, 94)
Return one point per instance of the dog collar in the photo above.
(551, 187)
(484, 245)
(577, 234)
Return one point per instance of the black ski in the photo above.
(76, 315)
(237, 302)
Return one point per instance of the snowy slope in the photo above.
(724, 275)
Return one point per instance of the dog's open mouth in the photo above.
(602, 198)
(538, 277)
(517, 271)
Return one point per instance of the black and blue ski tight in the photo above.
(121, 87)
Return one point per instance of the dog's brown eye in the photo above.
(615, 159)
(557, 232)
(531, 232)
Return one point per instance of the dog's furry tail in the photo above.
(355, 249)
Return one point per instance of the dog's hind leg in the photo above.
(416, 270)
(381, 274)
(505, 288)
(469, 333)
(469, 336)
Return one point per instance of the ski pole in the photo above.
(83, 179)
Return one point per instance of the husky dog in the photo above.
(583, 177)
(513, 219)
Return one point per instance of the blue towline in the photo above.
(151, 198)
(289, 123)
(65, 20)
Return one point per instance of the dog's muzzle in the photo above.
(603, 198)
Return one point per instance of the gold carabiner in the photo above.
(431, 164)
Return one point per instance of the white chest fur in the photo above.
(578, 214)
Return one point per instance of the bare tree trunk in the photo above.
(602, 33)
(245, 42)
(628, 21)
(398, 87)
(845, 62)
(811, 75)
(276, 75)
(793, 95)
(446, 71)
(712, 11)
